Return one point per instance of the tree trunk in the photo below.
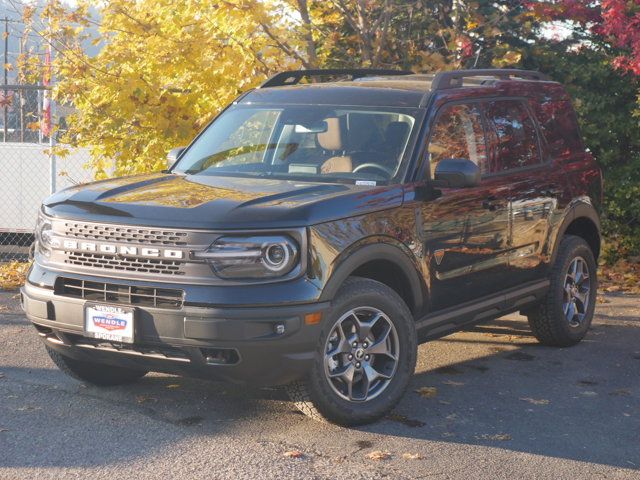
(366, 35)
(310, 44)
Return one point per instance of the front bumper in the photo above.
(237, 344)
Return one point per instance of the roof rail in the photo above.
(295, 76)
(453, 79)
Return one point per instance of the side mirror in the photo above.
(173, 155)
(456, 173)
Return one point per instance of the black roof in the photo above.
(382, 92)
(373, 87)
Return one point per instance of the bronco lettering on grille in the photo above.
(110, 249)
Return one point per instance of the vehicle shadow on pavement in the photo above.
(580, 403)
(491, 386)
(50, 420)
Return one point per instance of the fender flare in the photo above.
(357, 255)
(581, 209)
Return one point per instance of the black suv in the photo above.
(321, 227)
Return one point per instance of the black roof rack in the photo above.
(295, 76)
(453, 79)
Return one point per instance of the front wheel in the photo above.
(563, 318)
(365, 358)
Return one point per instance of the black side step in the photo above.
(439, 324)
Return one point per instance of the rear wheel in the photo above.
(94, 373)
(365, 357)
(563, 318)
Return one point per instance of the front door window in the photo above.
(458, 133)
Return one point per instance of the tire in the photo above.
(94, 373)
(549, 320)
(371, 305)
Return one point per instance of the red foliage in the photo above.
(621, 23)
(465, 46)
(617, 21)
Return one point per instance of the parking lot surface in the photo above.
(486, 403)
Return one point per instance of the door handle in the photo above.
(528, 214)
(551, 191)
(488, 204)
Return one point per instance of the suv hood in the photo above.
(212, 202)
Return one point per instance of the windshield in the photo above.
(316, 143)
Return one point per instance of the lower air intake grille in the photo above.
(122, 294)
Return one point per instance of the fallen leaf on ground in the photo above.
(145, 399)
(192, 421)
(535, 401)
(13, 274)
(453, 384)
(379, 455)
(500, 437)
(620, 277)
(427, 392)
(28, 408)
(173, 385)
(412, 456)
(622, 392)
(587, 382)
(362, 444)
(293, 454)
(409, 422)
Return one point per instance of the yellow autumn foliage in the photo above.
(13, 274)
(164, 70)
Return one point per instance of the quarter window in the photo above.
(513, 137)
(457, 133)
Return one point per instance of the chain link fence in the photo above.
(26, 176)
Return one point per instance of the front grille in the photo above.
(125, 234)
(125, 264)
(117, 252)
(122, 294)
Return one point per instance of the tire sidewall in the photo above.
(578, 248)
(365, 293)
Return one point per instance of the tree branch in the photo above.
(284, 47)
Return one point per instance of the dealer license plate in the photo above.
(108, 322)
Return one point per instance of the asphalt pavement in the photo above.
(486, 403)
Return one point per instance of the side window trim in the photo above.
(543, 146)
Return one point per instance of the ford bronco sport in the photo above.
(319, 229)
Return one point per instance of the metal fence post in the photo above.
(52, 128)
(52, 161)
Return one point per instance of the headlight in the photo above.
(252, 256)
(44, 235)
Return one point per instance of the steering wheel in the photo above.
(374, 166)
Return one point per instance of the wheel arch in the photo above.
(582, 221)
(384, 261)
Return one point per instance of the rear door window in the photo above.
(513, 139)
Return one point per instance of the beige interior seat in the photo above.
(333, 141)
